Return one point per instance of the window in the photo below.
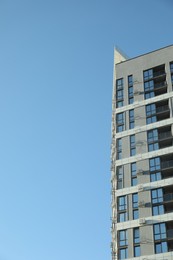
(122, 243)
(130, 80)
(122, 207)
(171, 67)
(130, 89)
(132, 145)
(159, 231)
(149, 85)
(137, 251)
(134, 181)
(120, 177)
(136, 236)
(153, 140)
(120, 122)
(119, 148)
(155, 81)
(148, 74)
(120, 98)
(149, 89)
(131, 119)
(151, 113)
(161, 247)
(122, 203)
(135, 206)
(157, 200)
(123, 253)
(119, 93)
(160, 237)
(136, 242)
(155, 174)
(119, 83)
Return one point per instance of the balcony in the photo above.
(162, 109)
(167, 198)
(155, 89)
(157, 111)
(160, 85)
(165, 136)
(160, 73)
(160, 138)
(166, 236)
(163, 168)
(170, 234)
(167, 165)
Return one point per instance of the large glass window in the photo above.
(120, 122)
(171, 67)
(135, 206)
(136, 236)
(134, 181)
(123, 241)
(119, 93)
(136, 242)
(119, 177)
(137, 251)
(155, 167)
(153, 140)
(130, 89)
(122, 209)
(149, 89)
(157, 200)
(160, 238)
(119, 148)
(132, 145)
(120, 98)
(119, 83)
(123, 253)
(122, 244)
(155, 82)
(161, 247)
(131, 119)
(151, 113)
(122, 203)
(148, 74)
(159, 231)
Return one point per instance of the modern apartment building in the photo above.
(142, 156)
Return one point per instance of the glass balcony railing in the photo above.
(170, 233)
(165, 135)
(159, 73)
(162, 109)
(167, 164)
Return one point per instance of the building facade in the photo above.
(142, 156)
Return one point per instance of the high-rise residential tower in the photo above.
(142, 156)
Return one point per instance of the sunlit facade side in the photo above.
(142, 156)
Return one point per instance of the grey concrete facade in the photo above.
(142, 156)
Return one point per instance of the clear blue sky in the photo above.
(56, 70)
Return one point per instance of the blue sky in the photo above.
(56, 70)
